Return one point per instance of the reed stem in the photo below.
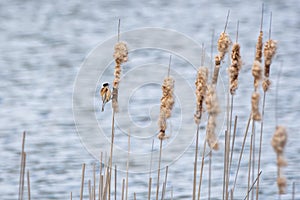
(82, 181)
(158, 170)
(195, 163)
(201, 170)
(127, 167)
(28, 185)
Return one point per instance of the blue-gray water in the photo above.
(43, 45)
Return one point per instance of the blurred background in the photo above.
(43, 45)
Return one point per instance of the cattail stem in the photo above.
(149, 188)
(123, 188)
(250, 189)
(127, 167)
(195, 163)
(165, 184)
(158, 169)
(241, 153)
(201, 170)
(260, 142)
(28, 185)
(22, 167)
(209, 174)
(82, 181)
(250, 162)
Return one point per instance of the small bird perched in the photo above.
(105, 94)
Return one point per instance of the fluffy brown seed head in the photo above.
(121, 53)
(281, 182)
(257, 73)
(279, 139)
(211, 137)
(259, 46)
(269, 52)
(256, 116)
(236, 65)
(216, 70)
(223, 44)
(201, 86)
(167, 103)
(211, 101)
(266, 84)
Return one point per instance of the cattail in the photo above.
(269, 52)
(236, 65)
(259, 46)
(278, 143)
(120, 56)
(213, 110)
(121, 53)
(257, 73)
(201, 86)
(216, 70)
(223, 44)
(256, 116)
(167, 103)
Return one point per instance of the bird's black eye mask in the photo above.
(105, 84)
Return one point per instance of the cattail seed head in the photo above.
(281, 182)
(256, 116)
(269, 52)
(266, 84)
(213, 110)
(121, 53)
(167, 103)
(259, 46)
(223, 44)
(201, 86)
(236, 65)
(257, 73)
(216, 70)
(279, 139)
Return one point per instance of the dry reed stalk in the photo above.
(134, 196)
(293, 191)
(278, 143)
(82, 181)
(167, 103)
(269, 52)
(250, 160)
(116, 182)
(150, 178)
(149, 188)
(90, 190)
(209, 174)
(201, 86)
(71, 196)
(250, 189)
(100, 180)
(123, 188)
(165, 184)
(201, 170)
(127, 167)
(22, 167)
(28, 185)
(94, 181)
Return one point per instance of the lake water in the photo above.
(55, 55)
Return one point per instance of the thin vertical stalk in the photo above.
(90, 190)
(233, 141)
(149, 188)
(100, 174)
(21, 165)
(249, 163)
(71, 196)
(201, 170)
(28, 185)
(116, 182)
(293, 191)
(158, 170)
(195, 164)
(127, 167)
(209, 174)
(123, 188)
(260, 142)
(94, 181)
(165, 184)
(82, 181)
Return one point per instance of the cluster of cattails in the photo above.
(269, 52)
(236, 65)
(213, 110)
(167, 103)
(278, 142)
(201, 87)
(224, 43)
(120, 56)
(257, 74)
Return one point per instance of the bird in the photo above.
(105, 94)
